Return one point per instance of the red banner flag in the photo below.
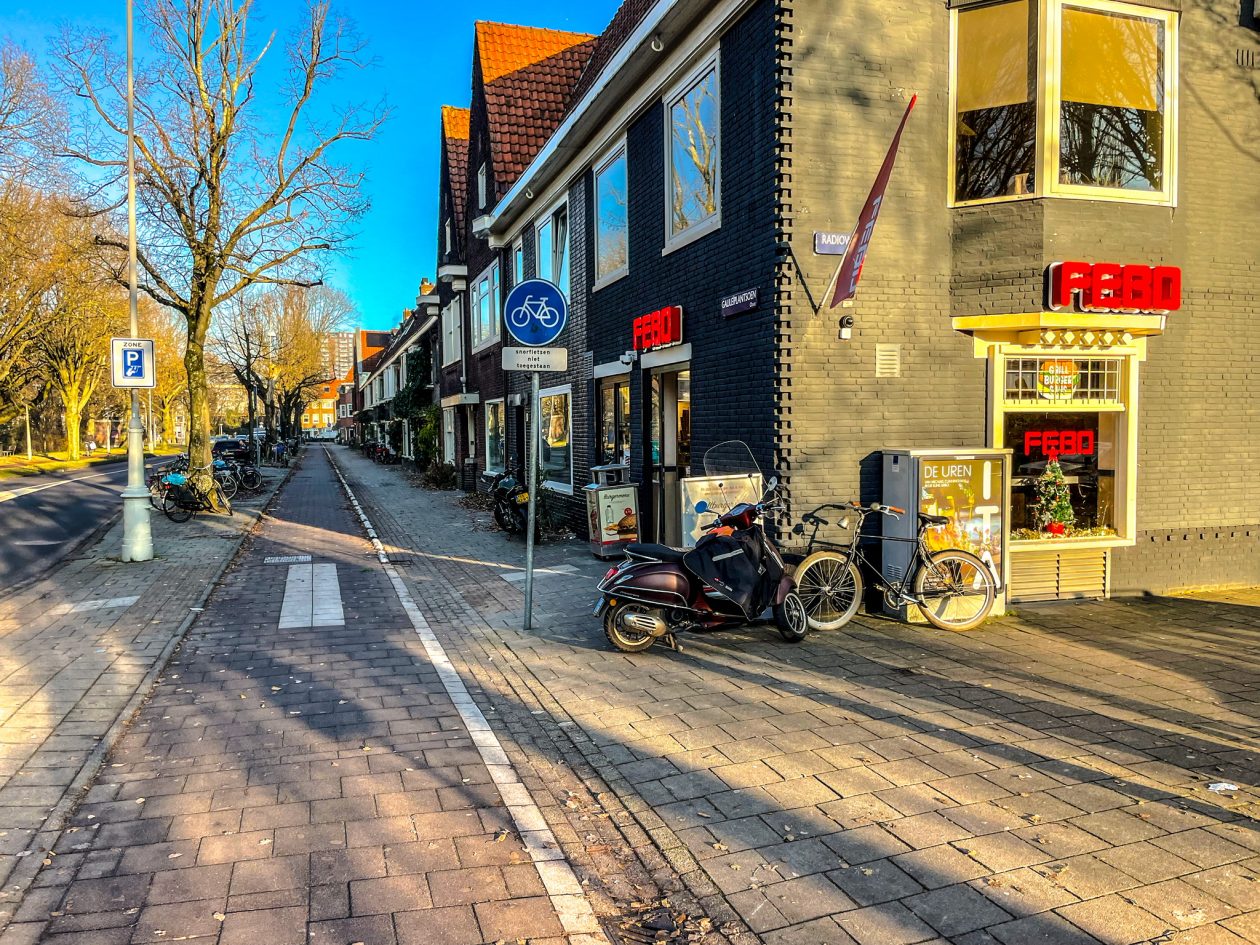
(851, 266)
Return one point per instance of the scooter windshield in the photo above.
(733, 475)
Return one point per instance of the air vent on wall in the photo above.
(888, 360)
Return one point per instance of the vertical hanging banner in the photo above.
(851, 266)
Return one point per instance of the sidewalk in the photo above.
(309, 769)
(78, 651)
(1068, 774)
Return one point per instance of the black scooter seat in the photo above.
(648, 552)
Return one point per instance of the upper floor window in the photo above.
(518, 262)
(481, 187)
(693, 176)
(452, 348)
(1102, 74)
(448, 236)
(552, 246)
(611, 227)
(484, 308)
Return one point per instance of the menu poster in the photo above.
(722, 493)
(615, 515)
(969, 493)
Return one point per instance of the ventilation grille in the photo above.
(888, 360)
(1059, 575)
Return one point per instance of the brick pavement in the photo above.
(77, 650)
(1042, 780)
(313, 784)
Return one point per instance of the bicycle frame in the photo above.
(853, 553)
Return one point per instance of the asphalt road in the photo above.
(43, 518)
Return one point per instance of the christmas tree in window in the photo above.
(1052, 508)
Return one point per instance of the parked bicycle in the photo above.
(953, 588)
(184, 497)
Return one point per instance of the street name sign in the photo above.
(535, 359)
(132, 362)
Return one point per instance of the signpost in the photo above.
(535, 314)
(132, 363)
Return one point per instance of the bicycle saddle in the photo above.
(933, 520)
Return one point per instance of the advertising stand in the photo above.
(612, 510)
(971, 488)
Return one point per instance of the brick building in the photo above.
(707, 152)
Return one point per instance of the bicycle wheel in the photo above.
(172, 509)
(830, 586)
(956, 589)
(157, 490)
(227, 484)
(223, 501)
(251, 478)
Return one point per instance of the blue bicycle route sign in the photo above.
(536, 312)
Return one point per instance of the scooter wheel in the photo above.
(626, 640)
(503, 518)
(791, 619)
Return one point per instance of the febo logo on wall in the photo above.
(1111, 287)
(658, 329)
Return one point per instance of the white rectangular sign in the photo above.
(535, 359)
(133, 363)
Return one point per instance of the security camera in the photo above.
(846, 327)
(629, 358)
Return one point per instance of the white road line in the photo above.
(85, 605)
(312, 597)
(287, 559)
(516, 577)
(558, 878)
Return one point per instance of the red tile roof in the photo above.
(528, 76)
(455, 147)
(614, 36)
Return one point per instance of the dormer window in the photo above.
(448, 235)
(481, 187)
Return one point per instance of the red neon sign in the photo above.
(658, 329)
(1111, 287)
(1052, 443)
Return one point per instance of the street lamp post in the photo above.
(137, 542)
(28, 433)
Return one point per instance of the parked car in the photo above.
(233, 449)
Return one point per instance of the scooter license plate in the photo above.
(600, 605)
(522, 498)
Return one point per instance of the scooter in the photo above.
(511, 501)
(727, 580)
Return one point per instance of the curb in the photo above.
(19, 881)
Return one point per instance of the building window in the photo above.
(614, 420)
(484, 308)
(481, 187)
(494, 435)
(693, 185)
(612, 233)
(451, 349)
(448, 236)
(557, 450)
(518, 262)
(552, 247)
(448, 435)
(1102, 74)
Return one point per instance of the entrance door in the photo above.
(670, 450)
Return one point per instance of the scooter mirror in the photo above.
(772, 484)
(702, 507)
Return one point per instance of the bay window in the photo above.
(1062, 98)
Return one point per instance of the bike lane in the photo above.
(308, 770)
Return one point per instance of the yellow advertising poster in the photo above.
(969, 492)
(614, 515)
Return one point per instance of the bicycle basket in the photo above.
(176, 479)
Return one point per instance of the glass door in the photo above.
(670, 450)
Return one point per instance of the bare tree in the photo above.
(225, 202)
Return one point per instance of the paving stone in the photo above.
(875, 881)
(887, 924)
(1114, 921)
(1180, 904)
(452, 925)
(1045, 929)
(265, 927)
(953, 910)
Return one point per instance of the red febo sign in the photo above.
(1111, 287)
(1050, 443)
(658, 329)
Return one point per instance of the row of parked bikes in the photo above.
(383, 453)
(180, 491)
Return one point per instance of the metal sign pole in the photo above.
(137, 544)
(535, 441)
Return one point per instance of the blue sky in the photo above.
(423, 50)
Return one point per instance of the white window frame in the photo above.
(492, 278)
(448, 435)
(1049, 104)
(617, 152)
(562, 487)
(481, 186)
(452, 328)
(671, 98)
(500, 403)
(518, 261)
(448, 234)
(539, 223)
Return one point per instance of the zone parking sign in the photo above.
(132, 362)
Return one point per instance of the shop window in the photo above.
(693, 187)
(451, 333)
(494, 435)
(1101, 71)
(612, 233)
(484, 308)
(1084, 444)
(614, 421)
(1057, 381)
(557, 443)
(552, 247)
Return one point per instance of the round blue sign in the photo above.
(536, 312)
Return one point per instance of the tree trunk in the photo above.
(74, 427)
(198, 399)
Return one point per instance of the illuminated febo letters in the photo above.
(1111, 287)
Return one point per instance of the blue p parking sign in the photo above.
(536, 312)
(132, 362)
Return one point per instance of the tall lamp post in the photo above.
(137, 544)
